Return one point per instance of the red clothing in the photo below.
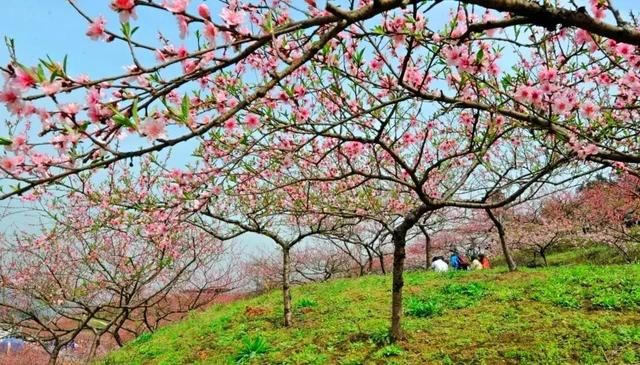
(485, 263)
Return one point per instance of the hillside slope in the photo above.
(575, 314)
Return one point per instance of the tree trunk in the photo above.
(399, 243)
(399, 254)
(94, 346)
(427, 248)
(503, 242)
(544, 257)
(369, 260)
(53, 356)
(381, 259)
(117, 338)
(286, 285)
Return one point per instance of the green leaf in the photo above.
(358, 57)
(125, 28)
(121, 120)
(184, 107)
(5, 141)
(134, 110)
(83, 127)
(267, 24)
(479, 55)
(40, 73)
(378, 30)
(54, 74)
(64, 64)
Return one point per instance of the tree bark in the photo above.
(381, 259)
(503, 242)
(94, 346)
(399, 254)
(369, 260)
(544, 257)
(286, 285)
(53, 356)
(427, 248)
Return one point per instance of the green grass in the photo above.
(562, 255)
(560, 315)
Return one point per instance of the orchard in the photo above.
(354, 136)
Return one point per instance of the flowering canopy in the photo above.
(496, 67)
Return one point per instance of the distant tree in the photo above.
(609, 212)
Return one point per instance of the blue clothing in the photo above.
(454, 261)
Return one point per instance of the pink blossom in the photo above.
(29, 197)
(582, 36)
(452, 56)
(582, 150)
(188, 66)
(40, 159)
(302, 114)
(176, 6)
(69, 109)
(96, 29)
(125, 9)
(11, 163)
(547, 75)
(299, 91)
(536, 96)
(409, 138)
(51, 88)
(353, 149)
(230, 125)
(523, 93)
(24, 79)
(376, 64)
(19, 142)
(10, 95)
(210, 32)
(231, 18)
(561, 105)
(448, 146)
(589, 109)
(591, 149)
(203, 11)
(619, 166)
(183, 26)
(252, 121)
(153, 128)
(122, 4)
(624, 50)
(598, 9)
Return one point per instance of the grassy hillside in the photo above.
(573, 314)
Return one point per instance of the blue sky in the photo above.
(52, 27)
